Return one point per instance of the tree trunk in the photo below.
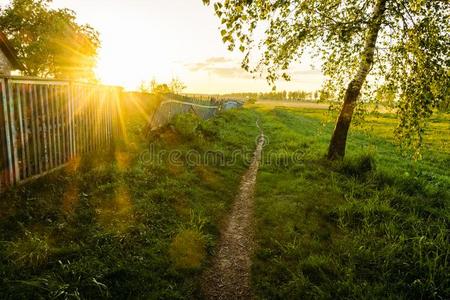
(338, 141)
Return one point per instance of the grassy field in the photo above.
(291, 104)
(124, 224)
(373, 226)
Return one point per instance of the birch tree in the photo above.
(399, 46)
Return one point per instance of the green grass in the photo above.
(120, 225)
(373, 226)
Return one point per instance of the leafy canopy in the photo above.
(412, 51)
(49, 42)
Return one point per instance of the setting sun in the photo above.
(145, 40)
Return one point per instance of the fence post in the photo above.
(5, 174)
(71, 120)
(43, 126)
(13, 156)
(22, 128)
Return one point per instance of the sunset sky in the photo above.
(145, 39)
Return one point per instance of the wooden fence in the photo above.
(46, 123)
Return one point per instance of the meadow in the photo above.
(375, 226)
(122, 224)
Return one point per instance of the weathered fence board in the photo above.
(46, 123)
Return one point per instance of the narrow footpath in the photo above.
(229, 275)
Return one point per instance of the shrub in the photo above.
(186, 125)
(209, 130)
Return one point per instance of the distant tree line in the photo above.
(175, 86)
(276, 96)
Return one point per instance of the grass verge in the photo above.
(137, 222)
(373, 226)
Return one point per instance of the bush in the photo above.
(209, 130)
(186, 125)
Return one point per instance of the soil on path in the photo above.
(229, 275)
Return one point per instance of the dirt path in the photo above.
(229, 276)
